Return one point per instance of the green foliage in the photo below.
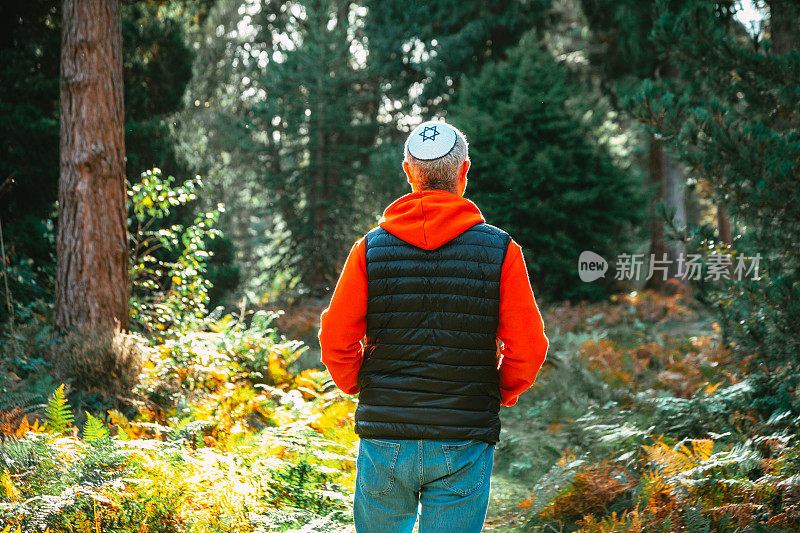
(254, 360)
(157, 62)
(318, 129)
(733, 120)
(58, 415)
(157, 58)
(303, 482)
(27, 270)
(94, 431)
(620, 33)
(191, 433)
(301, 135)
(421, 49)
(230, 351)
(29, 66)
(24, 366)
(48, 477)
(551, 484)
(537, 173)
(293, 167)
(188, 470)
(609, 450)
(170, 290)
(700, 415)
(29, 70)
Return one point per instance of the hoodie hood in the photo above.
(429, 219)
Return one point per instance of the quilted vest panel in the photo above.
(430, 354)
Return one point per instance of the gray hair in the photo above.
(440, 173)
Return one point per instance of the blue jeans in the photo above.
(445, 483)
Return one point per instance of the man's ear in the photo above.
(462, 177)
(407, 170)
(462, 172)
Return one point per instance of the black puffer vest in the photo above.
(430, 355)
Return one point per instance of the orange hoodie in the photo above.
(429, 219)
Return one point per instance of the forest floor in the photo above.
(636, 342)
(640, 342)
(632, 335)
(639, 421)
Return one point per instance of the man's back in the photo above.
(430, 365)
(430, 224)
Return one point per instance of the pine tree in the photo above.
(422, 49)
(736, 124)
(156, 64)
(30, 37)
(301, 187)
(315, 124)
(535, 172)
(621, 51)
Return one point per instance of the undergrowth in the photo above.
(224, 438)
(642, 421)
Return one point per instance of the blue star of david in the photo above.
(429, 136)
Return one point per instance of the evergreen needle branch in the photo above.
(5, 276)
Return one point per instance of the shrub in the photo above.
(169, 261)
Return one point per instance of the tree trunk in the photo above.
(666, 167)
(724, 224)
(784, 20)
(320, 196)
(667, 176)
(674, 179)
(655, 170)
(784, 16)
(92, 241)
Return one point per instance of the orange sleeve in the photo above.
(521, 329)
(343, 323)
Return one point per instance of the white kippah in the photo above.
(432, 140)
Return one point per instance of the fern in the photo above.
(558, 479)
(10, 400)
(94, 431)
(192, 433)
(58, 416)
(17, 455)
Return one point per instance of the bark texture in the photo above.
(92, 242)
(674, 180)
(783, 20)
(655, 172)
(666, 171)
(667, 178)
(724, 224)
(784, 24)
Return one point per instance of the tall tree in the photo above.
(323, 106)
(286, 124)
(30, 36)
(735, 124)
(92, 242)
(539, 173)
(422, 49)
(623, 53)
(301, 120)
(157, 55)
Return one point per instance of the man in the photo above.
(451, 332)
